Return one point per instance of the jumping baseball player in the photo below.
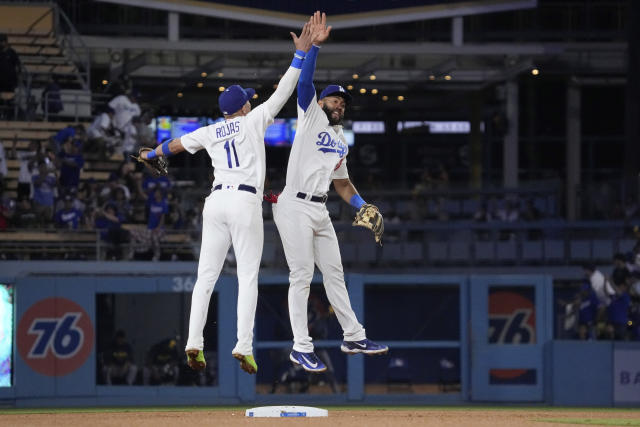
(318, 157)
(233, 211)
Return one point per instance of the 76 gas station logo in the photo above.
(55, 336)
(60, 336)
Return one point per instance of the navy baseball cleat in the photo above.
(365, 346)
(308, 361)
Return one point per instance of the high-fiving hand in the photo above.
(304, 41)
(319, 29)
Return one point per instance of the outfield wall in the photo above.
(496, 331)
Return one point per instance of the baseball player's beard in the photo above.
(332, 120)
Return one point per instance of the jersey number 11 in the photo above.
(235, 154)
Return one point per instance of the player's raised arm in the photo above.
(320, 32)
(288, 81)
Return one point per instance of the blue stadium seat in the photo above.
(470, 207)
(412, 251)
(460, 251)
(485, 251)
(506, 251)
(532, 250)
(625, 245)
(602, 249)
(580, 250)
(366, 252)
(554, 250)
(437, 251)
(392, 252)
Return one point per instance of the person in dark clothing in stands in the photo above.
(9, 66)
(68, 217)
(618, 313)
(71, 163)
(119, 361)
(163, 363)
(109, 221)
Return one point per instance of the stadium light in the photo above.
(400, 98)
(355, 76)
(221, 89)
(203, 74)
(255, 96)
(363, 90)
(432, 77)
(372, 77)
(535, 71)
(105, 82)
(220, 74)
(349, 87)
(447, 77)
(374, 91)
(179, 95)
(385, 98)
(200, 84)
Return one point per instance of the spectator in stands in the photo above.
(587, 303)
(146, 136)
(121, 203)
(163, 363)
(620, 272)
(109, 221)
(112, 183)
(68, 133)
(119, 361)
(125, 109)
(144, 239)
(25, 217)
(88, 193)
(633, 258)
(508, 211)
(600, 286)
(175, 216)
(71, 162)
(44, 185)
(9, 66)
(7, 210)
(151, 183)
(28, 162)
(68, 217)
(530, 212)
(51, 101)
(618, 313)
(630, 208)
(102, 135)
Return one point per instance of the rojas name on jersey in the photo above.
(330, 145)
(227, 129)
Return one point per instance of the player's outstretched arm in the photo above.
(288, 81)
(320, 32)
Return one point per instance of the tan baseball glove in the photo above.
(370, 217)
(158, 165)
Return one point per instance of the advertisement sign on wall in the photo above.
(626, 376)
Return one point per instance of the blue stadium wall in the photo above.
(501, 354)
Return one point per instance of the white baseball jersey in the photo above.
(236, 146)
(319, 152)
(124, 111)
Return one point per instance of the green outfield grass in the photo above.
(7, 411)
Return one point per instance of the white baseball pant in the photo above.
(230, 216)
(307, 235)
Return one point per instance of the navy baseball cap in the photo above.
(233, 98)
(336, 90)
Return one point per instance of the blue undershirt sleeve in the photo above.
(306, 90)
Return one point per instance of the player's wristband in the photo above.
(151, 155)
(165, 148)
(356, 201)
(298, 57)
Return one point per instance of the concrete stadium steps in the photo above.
(52, 126)
(30, 50)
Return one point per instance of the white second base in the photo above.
(286, 411)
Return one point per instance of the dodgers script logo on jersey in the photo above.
(330, 145)
(55, 336)
(227, 129)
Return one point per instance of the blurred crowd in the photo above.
(607, 307)
(163, 364)
(50, 193)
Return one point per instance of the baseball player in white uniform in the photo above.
(318, 157)
(233, 211)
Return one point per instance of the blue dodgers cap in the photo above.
(233, 98)
(336, 90)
